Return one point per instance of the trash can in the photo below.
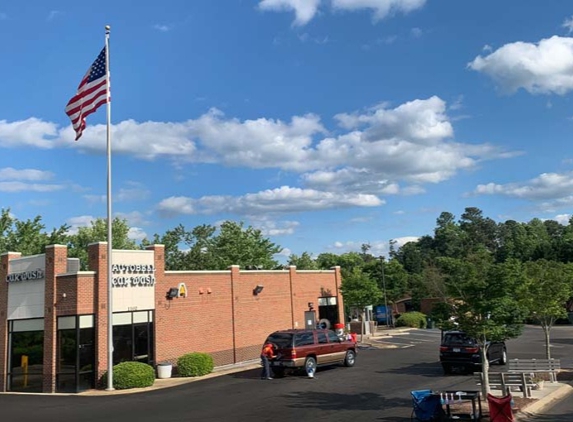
(430, 324)
(164, 370)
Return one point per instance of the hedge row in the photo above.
(137, 374)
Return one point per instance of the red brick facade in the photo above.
(220, 315)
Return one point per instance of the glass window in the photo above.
(304, 339)
(321, 335)
(332, 337)
(133, 337)
(282, 340)
(26, 360)
(75, 358)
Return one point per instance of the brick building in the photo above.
(54, 317)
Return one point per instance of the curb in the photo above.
(539, 405)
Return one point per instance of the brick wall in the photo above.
(220, 315)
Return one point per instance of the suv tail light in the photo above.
(472, 349)
(293, 354)
(444, 348)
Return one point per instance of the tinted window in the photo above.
(332, 337)
(458, 338)
(304, 339)
(321, 337)
(282, 340)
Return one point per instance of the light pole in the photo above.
(384, 289)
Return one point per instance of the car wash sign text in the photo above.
(37, 274)
(134, 275)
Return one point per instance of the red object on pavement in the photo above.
(500, 408)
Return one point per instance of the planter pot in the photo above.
(164, 370)
(539, 385)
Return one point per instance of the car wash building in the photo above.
(54, 317)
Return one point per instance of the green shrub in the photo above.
(195, 364)
(131, 375)
(412, 319)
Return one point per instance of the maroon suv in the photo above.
(308, 349)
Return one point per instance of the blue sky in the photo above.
(325, 123)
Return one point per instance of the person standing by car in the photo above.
(267, 354)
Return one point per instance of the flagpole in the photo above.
(109, 223)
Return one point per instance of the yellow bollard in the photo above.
(24, 365)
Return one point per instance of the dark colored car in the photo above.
(305, 349)
(458, 350)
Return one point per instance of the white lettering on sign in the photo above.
(37, 274)
(135, 275)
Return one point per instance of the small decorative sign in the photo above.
(182, 290)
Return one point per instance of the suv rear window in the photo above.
(458, 338)
(282, 340)
(303, 339)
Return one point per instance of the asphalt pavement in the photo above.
(376, 389)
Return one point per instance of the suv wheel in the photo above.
(503, 358)
(350, 358)
(309, 364)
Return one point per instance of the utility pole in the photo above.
(384, 288)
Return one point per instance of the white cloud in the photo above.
(549, 191)
(382, 150)
(136, 233)
(285, 252)
(401, 241)
(80, 221)
(568, 24)
(541, 68)
(562, 219)
(281, 200)
(416, 32)
(163, 27)
(9, 173)
(544, 187)
(134, 218)
(304, 10)
(53, 14)
(95, 199)
(135, 192)
(30, 132)
(381, 8)
(270, 227)
(28, 187)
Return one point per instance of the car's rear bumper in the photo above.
(294, 363)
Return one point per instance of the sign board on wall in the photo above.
(26, 287)
(133, 280)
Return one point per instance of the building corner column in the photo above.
(56, 263)
(97, 262)
(339, 298)
(4, 266)
(234, 276)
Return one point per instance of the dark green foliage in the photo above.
(195, 364)
(412, 319)
(131, 375)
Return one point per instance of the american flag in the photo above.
(91, 93)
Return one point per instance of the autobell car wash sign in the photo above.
(133, 280)
(124, 275)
